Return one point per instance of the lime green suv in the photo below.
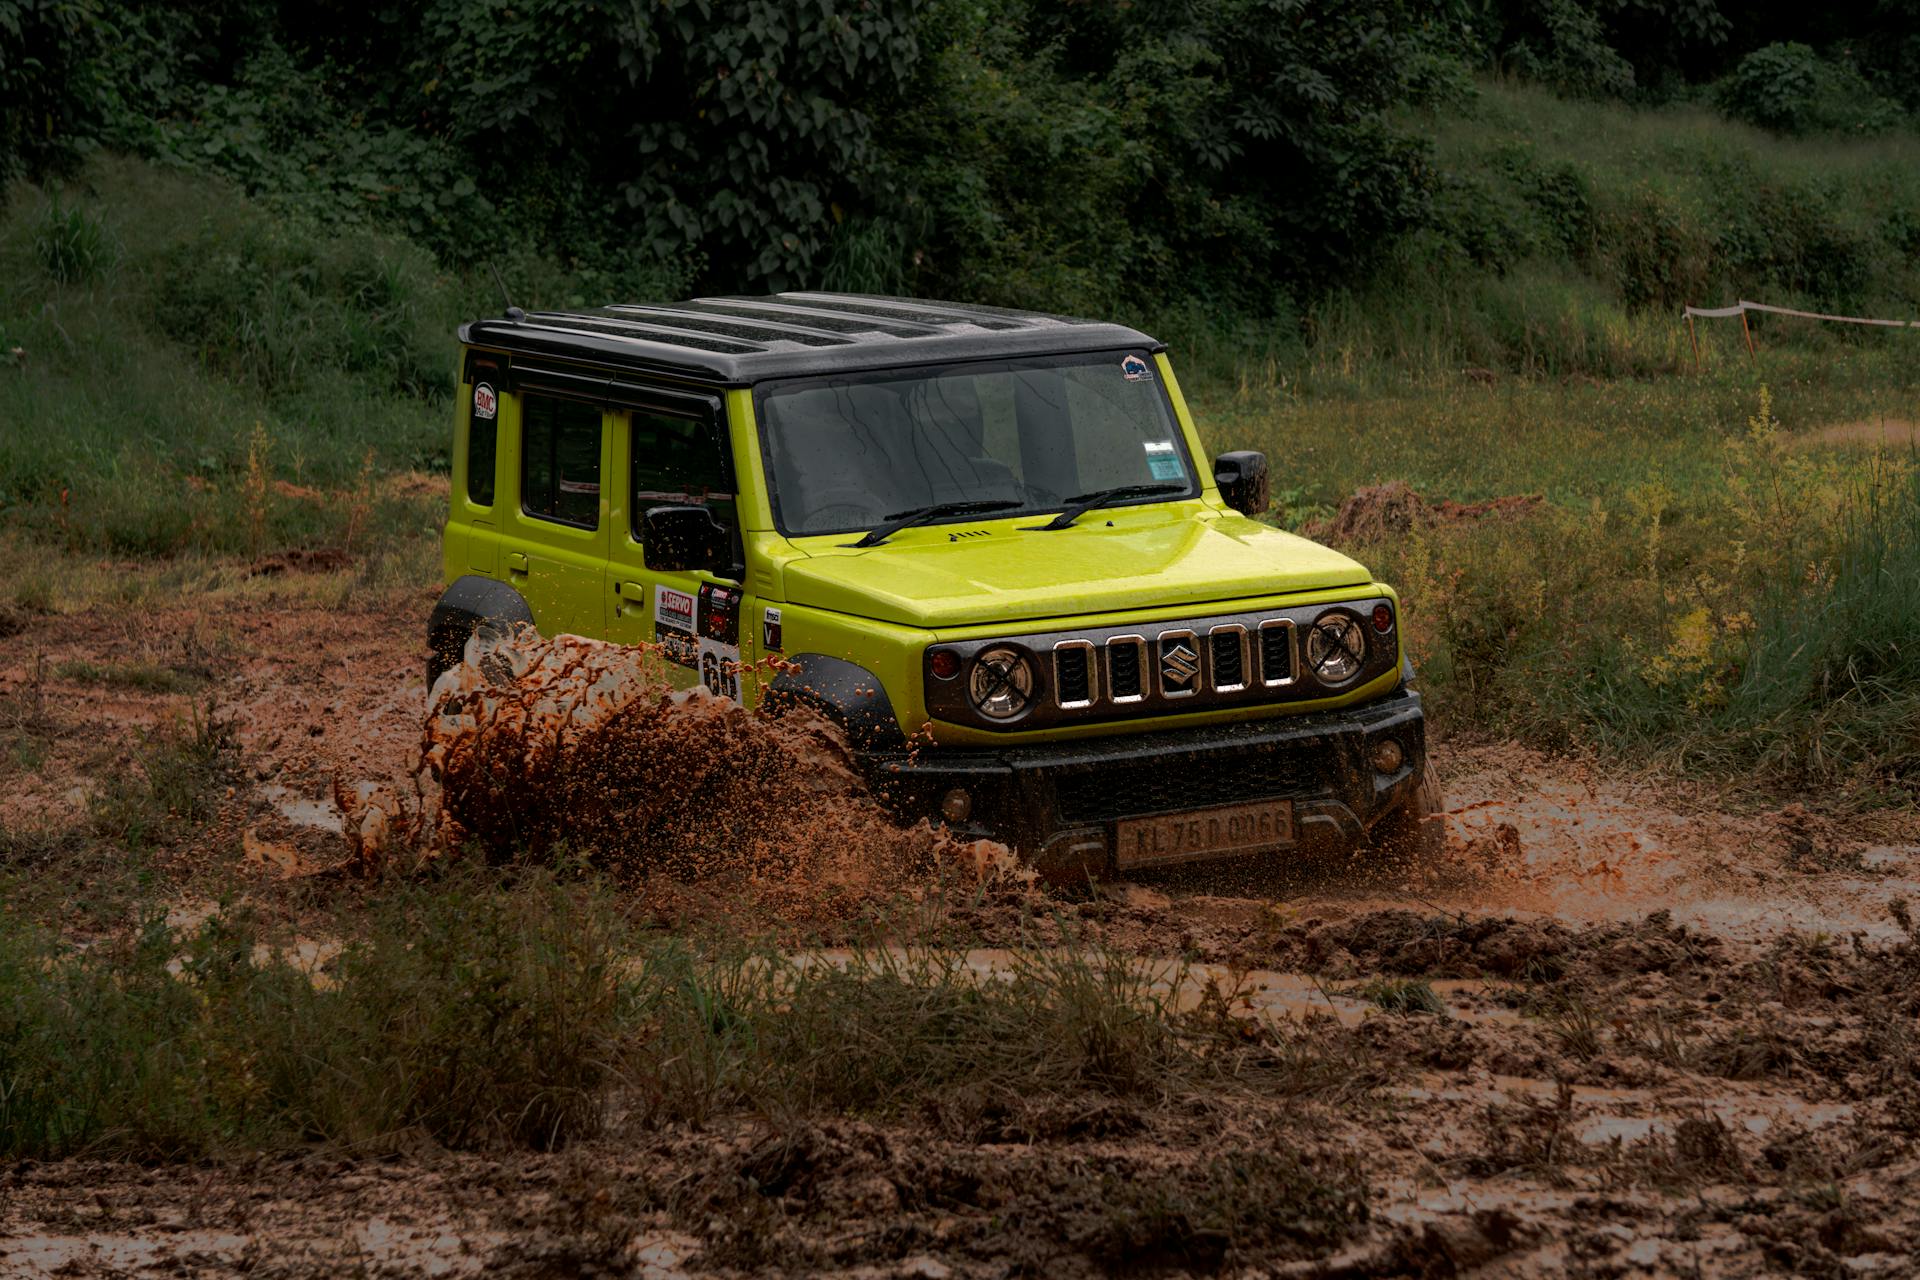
(987, 543)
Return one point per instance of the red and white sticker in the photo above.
(673, 608)
(485, 403)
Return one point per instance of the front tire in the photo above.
(1416, 832)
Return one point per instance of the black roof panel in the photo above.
(739, 341)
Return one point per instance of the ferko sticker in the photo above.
(719, 642)
(720, 613)
(485, 403)
(770, 637)
(1134, 369)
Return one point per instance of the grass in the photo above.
(1705, 588)
(181, 769)
(146, 676)
(1401, 995)
(527, 1011)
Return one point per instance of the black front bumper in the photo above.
(1058, 802)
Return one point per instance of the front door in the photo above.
(674, 453)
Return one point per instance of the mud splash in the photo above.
(1393, 509)
(567, 747)
(1563, 840)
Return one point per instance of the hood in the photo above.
(952, 575)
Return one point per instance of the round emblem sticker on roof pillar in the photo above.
(485, 405)
(1134, 369)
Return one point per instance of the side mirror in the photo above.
(684, 540)
(1242, 477)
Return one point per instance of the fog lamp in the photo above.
(957, 806)
(1387, 756)
(1383, 617)
(945, 663)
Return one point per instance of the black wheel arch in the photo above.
(470, 601)
(845, 692)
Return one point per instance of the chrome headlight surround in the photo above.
(1336, 648)
(1001, 683)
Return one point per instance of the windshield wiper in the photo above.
(920, 515)
(1080, 504)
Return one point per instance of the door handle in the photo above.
(517, 562)
(635, 591)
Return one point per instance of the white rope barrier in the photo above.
(1743, 306)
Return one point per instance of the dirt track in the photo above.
(1673, 1040)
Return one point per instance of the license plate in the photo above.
(1202, 833)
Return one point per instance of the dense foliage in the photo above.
(1099, 155)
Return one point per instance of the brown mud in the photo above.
(1394, 509)
(1620, 1030)
(1872, 433)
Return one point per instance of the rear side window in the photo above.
(483, 445)
(560, 460)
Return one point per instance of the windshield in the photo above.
(844, 453)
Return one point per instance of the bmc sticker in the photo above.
(1134, 369)
(485, 403)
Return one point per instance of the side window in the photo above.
(483, 445)
(560, 460)
(679, 461)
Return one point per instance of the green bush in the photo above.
(54, 87)
(274, 305)
(1790, 88)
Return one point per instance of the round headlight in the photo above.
(1336, 647)
(1001, 685)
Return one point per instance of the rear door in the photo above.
(555, 551)
(672, 451)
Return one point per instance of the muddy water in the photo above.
(1561, 840)
(1259, 992)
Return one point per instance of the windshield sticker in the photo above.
(485, 403)
(1134, 369)
(1162, 462)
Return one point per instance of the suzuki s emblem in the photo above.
(1179, 665)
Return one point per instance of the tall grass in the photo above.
(1833, 681)
(530, 1012)
(151, 321)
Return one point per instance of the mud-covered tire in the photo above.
(1415, 833)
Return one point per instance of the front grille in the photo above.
(1175, 783)
(1276, 653)
(1229, 667)
(1073, 682)
(1177, 667)
(1123, 667)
